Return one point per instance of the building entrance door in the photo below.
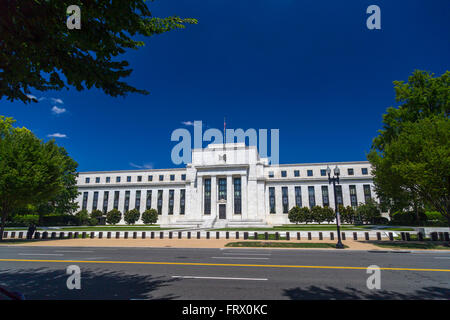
(222, 211)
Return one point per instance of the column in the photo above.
(198, 199)
(214, 196)
(230, 209)
(244, 198)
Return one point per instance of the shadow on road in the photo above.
(45, 283)
(331, 293)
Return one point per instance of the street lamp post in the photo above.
(334, 180)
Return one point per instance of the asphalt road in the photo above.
(237, 274)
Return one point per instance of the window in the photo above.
(182, 200)
(222, 188)
(105, 201)
(350, 171)
(85, 200)
(126, 205)
(128, 178)
(87, 180)
(137, 203)
(108, 179)
(323, 172)
(161, 177)
(296, 173)
(367, 195)
(312, 197)
(97, 180)
(298, 196)
(270, 174)
(116, 199)
(148, 201)
(95, 201)
(283, 174)
(339, 198)
(139, 178)
(172, 177)
(183, 177)
(160, 201)
(117, 179)
(325, 197)
(150, 178)
(364, 171)
(272, 199)
(171, 196)
(237, 196)
(207, 195)
(353, 198)
(310, 173)
(284, 193)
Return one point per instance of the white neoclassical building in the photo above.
(226, 185)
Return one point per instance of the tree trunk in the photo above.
(2, 227)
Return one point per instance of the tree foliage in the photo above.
(31, 172)
(132, 216)
(113, 216)
(411, 156)
(38, 51)
(150, 216)
(368, 211)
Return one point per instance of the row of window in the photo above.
(137, 202)
(138, 178)
(312, 196)
(323, 172)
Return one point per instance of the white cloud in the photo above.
(30, 96)
(188, 123)
(144, 166)
(56, 100)
(57, 135)
(57, 110)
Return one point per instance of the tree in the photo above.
(96, 213)
(305, 215)
(132, 216)
(410, 157)
(347, 214)
(31, 171)
(317, 214)
(368, 211)
(113, 216)
(38, 51)
(294, 215)
(150, 216)
(328, 214)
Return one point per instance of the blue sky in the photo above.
(308, 68)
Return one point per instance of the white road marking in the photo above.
(40, 254)
(441, 257)
(240, 258)
(220, 278)
(72, 251)
(250, 254)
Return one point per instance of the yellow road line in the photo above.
(222, 264)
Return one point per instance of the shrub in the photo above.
(381, 220)
(150, 216)
(83, 217)
(368, 211)
(23, 220)
(132, 216)
(113, 216)
(347, 214)
(305, 215)
(96, 213)
(92, 221)
(59, 220)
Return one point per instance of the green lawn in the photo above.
(261, 244)
(435, 245)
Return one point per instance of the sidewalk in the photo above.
(180, 243)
